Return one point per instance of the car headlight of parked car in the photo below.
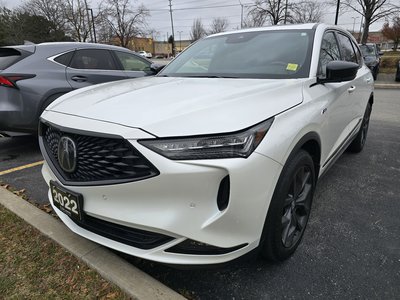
(231, 145)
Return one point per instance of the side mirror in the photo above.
(155, 68)
(338, 71)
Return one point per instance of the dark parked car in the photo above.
(33, 76)
(398, 71)
(372, 57)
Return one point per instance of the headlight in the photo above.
(230, 145)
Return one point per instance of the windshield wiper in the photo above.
(209, 76)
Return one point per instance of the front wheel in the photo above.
(290, 208)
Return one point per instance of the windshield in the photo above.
(367, 50)
(260, 54)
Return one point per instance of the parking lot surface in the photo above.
(351, 248)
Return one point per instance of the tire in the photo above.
(48, 101)
(375, 73)
(290, 208)
(358, 143)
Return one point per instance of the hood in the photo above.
(171, 106)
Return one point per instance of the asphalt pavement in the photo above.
(351, 248)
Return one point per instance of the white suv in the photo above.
(217, 155)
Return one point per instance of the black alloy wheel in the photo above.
(290, 208)
(296, 210)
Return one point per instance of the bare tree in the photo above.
(308, 11)
(125, 20)
(70, 16)
(197, 31)
(263, 10)
(371, 10)
(50, 9)
(253, 20)
(76, 15)
(218, 25)
(393, 32)
(104, 32)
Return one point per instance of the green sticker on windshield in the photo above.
(292, 67)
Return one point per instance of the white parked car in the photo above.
(145, 54)
(217, 155)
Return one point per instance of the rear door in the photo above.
(92, 66)
(362, 84)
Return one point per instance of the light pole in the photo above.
(180, 41)
(354, 22)
(337, 11)
(94, 28)
(90, 27)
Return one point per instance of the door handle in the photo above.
(351, 89)
(368, 80)
(79, 78)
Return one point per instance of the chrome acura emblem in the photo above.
(67, 154)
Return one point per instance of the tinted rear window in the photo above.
(8, 57)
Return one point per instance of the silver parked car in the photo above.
(33, 76)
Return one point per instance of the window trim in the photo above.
(320, 47)
(357, 49)
(52, 58)
(351, 43)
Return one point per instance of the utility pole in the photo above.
(360, 34)
(180, 41)
(172, 25)
(241, 15)
(337, 11)
(284, 22)
(354, 22)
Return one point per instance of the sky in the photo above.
(185, 11)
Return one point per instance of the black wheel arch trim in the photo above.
(311, 136)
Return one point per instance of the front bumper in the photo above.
(180, 203)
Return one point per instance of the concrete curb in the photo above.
(131, 280)
(387, 85)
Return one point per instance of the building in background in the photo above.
(156, 48)
(377, 38)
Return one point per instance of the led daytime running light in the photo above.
(230, 145)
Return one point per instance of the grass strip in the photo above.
(33, 266)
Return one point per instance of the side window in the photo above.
(329, 52)
(346, 49)
(358, 53)
(97, 59)
(65, 58)
(131, 62)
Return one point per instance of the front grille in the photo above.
(130, 236)
(99, 160)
